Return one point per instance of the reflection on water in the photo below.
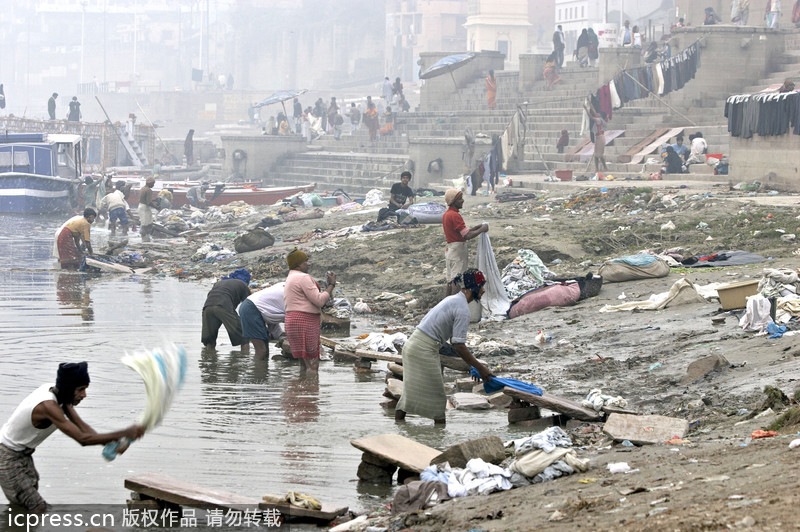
(241, 425)
(300, 398)
(73, 294)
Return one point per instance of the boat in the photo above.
(223, 193)
(39, 172)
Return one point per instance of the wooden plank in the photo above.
(556, 404)
(176, 491)
(328, 512)
(645, 429)
(372, 355)
(588, 151)
(636, 148)
(455, 363)
(108, 266)
(650, 148)
(398, 450)
(571, 155)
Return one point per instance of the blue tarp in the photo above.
(498, 383)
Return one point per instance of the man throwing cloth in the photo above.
(423, 387)
(48, 408)
(456, 233)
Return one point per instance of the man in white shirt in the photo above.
(699, 147)
(114, 203)
(262, 314)
(46, 409)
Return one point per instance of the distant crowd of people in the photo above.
(333, 118)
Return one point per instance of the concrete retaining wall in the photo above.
(772, 160)
(423, 150)
(263, 153)
(437, 91)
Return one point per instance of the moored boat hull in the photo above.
(27, 193)
(230, 194)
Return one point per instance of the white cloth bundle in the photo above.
(163, 372)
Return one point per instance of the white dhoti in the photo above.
(456, 259)
(145, 215)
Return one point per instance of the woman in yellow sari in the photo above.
(491, 90)
(549, 72)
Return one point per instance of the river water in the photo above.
(239, 425)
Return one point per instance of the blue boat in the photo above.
(39, 172)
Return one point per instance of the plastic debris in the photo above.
(619, 467)
(756, 434)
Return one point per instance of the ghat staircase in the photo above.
(356, 164)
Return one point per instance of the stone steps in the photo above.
(356, 173)
(548, 112)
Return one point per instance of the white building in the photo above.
(501, 26)
(654, 17)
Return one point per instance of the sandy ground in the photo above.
(718, 478)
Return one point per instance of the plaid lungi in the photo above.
(302, 332)
(19, 478)
(423, 387)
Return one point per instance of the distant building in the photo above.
(501, 26)
(413, 27)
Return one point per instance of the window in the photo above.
(5, 161)
(21, 158)
(502, 47)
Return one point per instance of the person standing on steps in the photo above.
(599, 123)
(491, 91)
(559, 45)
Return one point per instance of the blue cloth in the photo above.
(242, 274)
(498, 383)
(774, 330)
(642, 259)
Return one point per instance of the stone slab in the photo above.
(395, 388)
(398, 450)
(489, 448)
(469, 401)
(645, 429)
(702, 367)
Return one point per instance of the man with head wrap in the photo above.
(423, 388)
(46, 409)
(304, 300)
(456, 233)
(220, 309)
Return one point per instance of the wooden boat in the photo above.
(39, 172)
(222, 194)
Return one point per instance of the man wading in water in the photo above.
(46, 409)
